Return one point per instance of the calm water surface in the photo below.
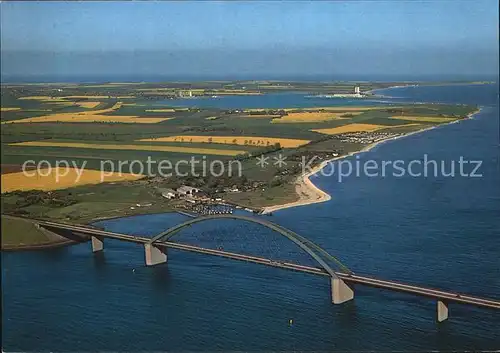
(437, 231)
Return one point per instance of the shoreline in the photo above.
(42, 246)
(312, 194)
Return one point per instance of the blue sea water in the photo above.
(438, 231)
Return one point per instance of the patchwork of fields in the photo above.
(119, 121)
(91, 116)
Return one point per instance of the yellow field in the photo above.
(88, 105)
(310, 117)
(351, 128)
(115, 106)
(165, 110)
(45, 179)
(190, 150)
(91, 116)
(233, 140)
(358, 128)
(2, 109)
(425, 119)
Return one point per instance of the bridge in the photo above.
(342, 280)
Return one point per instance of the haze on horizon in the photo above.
(360, 39)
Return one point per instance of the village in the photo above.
(197, 202)
(366, 137)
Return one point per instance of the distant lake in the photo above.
(440, 232)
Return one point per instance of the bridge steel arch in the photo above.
(306, 245)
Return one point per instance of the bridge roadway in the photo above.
(351, 279)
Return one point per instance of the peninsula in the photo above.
(96, 126)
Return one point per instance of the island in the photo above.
(62, 143)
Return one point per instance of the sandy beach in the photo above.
(309, 193)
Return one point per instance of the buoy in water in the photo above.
(290, 322)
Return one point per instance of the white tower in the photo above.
(356, 90)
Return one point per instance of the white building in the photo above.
(169, 194)
(187, 190)
(356, 94)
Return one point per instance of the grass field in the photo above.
(233, 140)
(18, 232)
(57, 178)
(136, 147)
(312, 117)
(424, 119)
(43, 98)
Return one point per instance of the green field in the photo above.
(19, 233)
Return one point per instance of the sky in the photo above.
(231, 38)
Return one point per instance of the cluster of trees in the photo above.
(36, 197)
(269, 112)
(261, 151)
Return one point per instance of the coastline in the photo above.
(309, 193)
(43, 246)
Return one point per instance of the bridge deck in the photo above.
(349, 278)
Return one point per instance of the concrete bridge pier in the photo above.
(154, 255)
(97, 243)
(341, 291)
(442, 311)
